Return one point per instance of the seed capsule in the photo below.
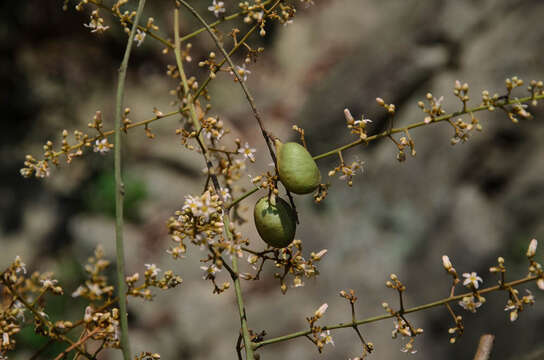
(297, 170)
(275, 221)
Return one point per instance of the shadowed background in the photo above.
(473, 201)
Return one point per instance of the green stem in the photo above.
(236, 201)
(232, 51)
(111, 132)
(120, 191)
(338, 150)
(388, 316)
(42, 318)
(166, 42)
(226, 219)
(248, 95)
(239, 298)
(419, 124)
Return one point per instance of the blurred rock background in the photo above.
(473, 201)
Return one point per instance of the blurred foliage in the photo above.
(100, 195)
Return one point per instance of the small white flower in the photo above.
(48, 283)
(95, 289)
(408, 348)
(19, 265)
(177, 252)
(153, 268)
(216, 134)
(20, 307)
(350, 171)
(206, 207)
(5, 339)
(217, 7)
(96, 26)
(469, 304)
(401, 328)
(235, 250)
(79, 291)
(472, 279)
(362, 122)
(321, 311)
(248, 152)
(102, 146)
(192, 203)
(326, 335)
(242, 71)
(240, 164)
(225, 193)
(139, 37)
(210, 270)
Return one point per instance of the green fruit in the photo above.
(297, 170)
(275, 221)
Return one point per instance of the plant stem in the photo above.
(166, 42)
(238, 290)
(338, 150)
(248, 95)
(484, 347)
(236, 201)
(41, 317)
(419, 124)
(388, 316)
(111, 132)
(120, 191)
(226, 219)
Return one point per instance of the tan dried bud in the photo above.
(446, 262)
(540, 283)
(531, 251)
(348, 116)
(321, 311)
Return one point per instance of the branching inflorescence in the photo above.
(210, 219)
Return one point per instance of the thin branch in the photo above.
(120, 191)
(76, 344)
(484, 347)
(226, 220)
(397, 130)
(388, 316)
(40, 317)
(248, 95)
(419, 124)
(247, 194)
(111, 132)
(166, 42)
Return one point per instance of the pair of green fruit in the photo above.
(274, 218)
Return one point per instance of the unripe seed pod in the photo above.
(297, 170)
(275, 221)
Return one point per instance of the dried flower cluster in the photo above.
(24, 303)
